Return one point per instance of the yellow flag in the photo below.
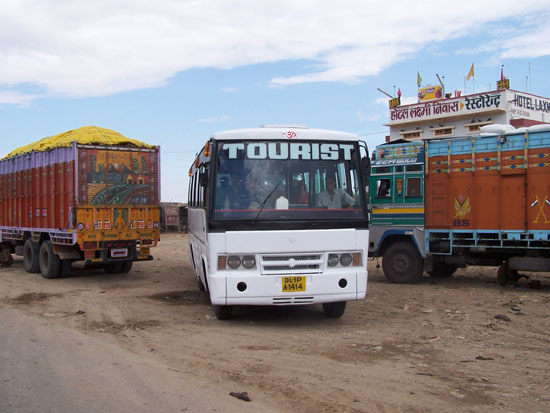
(418, 78)
(470, 73)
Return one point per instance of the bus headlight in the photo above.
(345, 259)
(249, 261)
(234, 261)
(333, 260)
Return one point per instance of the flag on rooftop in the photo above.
(418, 78)
(470, 73)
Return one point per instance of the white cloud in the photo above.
(107, 46)
(215, 119)
(13, 97)
(229, 89)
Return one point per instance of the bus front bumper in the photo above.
(247, 289)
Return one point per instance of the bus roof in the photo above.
(268, 132)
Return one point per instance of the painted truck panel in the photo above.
(498, 183)
(82, 193)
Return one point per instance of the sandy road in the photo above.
(434, 346)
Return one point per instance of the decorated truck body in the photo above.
(88, 194)
(445, 203)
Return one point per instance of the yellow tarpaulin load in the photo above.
(87, 135)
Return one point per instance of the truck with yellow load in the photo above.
(89, 194)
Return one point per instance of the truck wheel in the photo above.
(31, 251)
(50, 264)
(65, 270)
(126, 267)
(442, 270)
(505, 275)
(402, 263)
(334, 310)
(223, 312)
(113, 267)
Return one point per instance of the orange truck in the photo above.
(89, 194)
(441, 204)
(488, 200)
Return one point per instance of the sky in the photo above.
(172, 72)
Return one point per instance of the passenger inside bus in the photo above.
(301, 194)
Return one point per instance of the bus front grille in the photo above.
(292, 300)
(291, 264)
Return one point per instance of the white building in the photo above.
(464, 115)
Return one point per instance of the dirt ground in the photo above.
(457, 344)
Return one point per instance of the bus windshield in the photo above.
(282, 180)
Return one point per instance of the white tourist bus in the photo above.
(278, 216)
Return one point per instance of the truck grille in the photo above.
(291, 264)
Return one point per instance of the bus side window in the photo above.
(383, 188)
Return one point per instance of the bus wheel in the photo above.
(31, 251)
(334, 310)
(223, 312)
(126, 267)
(50, 264)
(113, 267)
(402, 263)
(442, 270)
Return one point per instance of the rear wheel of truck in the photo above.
(31, 252)
(113, 267)
(402, 263)
(442, 270)
(66, 268)
(126, 267)
(50, 264)
(334, 310)
(505, 275)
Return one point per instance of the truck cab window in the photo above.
(383, 188)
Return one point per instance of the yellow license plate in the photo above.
(292, 284)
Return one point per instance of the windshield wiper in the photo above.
(262, 205)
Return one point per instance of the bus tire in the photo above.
(200, 284)
(334, 310)
(50, 264)
(442, 270)
(223, 312)
(113, 267)
(402, 263)
(31, 252)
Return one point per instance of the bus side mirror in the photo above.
(365, 166)
(203, 179)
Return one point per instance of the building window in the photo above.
(443, 131)
(475, 127)
(411, 135)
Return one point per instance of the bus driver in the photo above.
(334, 198)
